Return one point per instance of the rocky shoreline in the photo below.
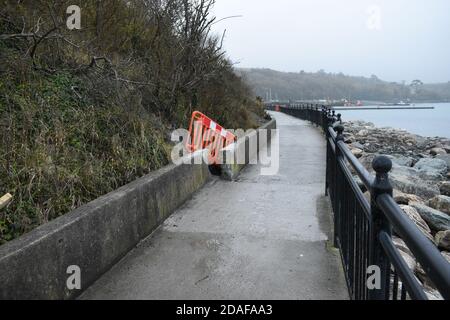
(421, 180)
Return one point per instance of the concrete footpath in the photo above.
(261, 237)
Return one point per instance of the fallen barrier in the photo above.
(205, 133)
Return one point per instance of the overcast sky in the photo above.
(393, 39)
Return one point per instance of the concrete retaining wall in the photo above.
(231, 169)
(95, 236)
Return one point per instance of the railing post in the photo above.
(327, 136)
(330, 119)
(324, 121)
(337, 182)
(327, 122)
(382, 165)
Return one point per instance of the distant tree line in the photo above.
(321, 85)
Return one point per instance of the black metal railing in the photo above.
(362, 228)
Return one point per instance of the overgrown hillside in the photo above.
(322, 85)
(83, 112)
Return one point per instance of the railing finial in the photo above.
(339, 129)
(382, 165)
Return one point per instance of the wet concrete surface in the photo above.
(260, 237)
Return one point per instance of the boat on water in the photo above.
(398, 104)
(402, 103)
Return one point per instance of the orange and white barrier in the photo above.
(205, 133)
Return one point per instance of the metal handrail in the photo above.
(385, 213)
(361, 171)
(358, 193)
(414, 288)
(429, 257)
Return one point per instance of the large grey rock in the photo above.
(446, 158)
(348, 137)
(404, 252)
(432, 294)
(401, 160)
(431, 175)
(413, 184)
(363, 132)
(445, 188)
(418, 221)
(435, 219)
(441, 203)
(413, 181)
(401, 245)
(425, 169)
(404, 170)
(404, 198)
(437, 151)
(429, 164)
(366, 160)
(442, 240)
(357, 145)
(421, 142)
(409, 259)
(358, 153)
